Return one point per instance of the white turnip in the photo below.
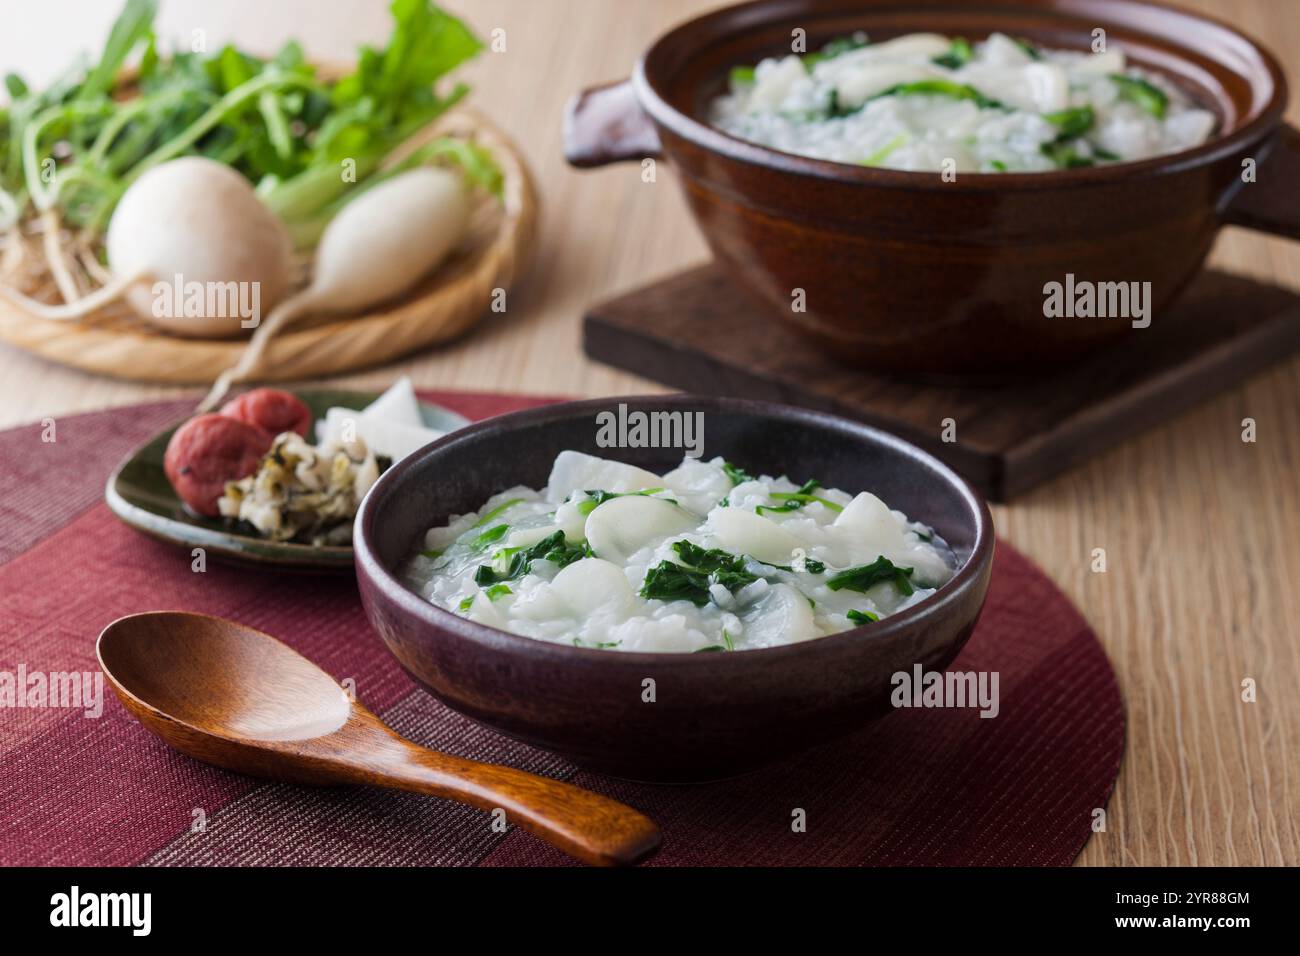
(196, 224)
(377, 247)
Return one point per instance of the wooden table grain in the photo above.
(1201, 590)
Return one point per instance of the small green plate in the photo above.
(139, 493)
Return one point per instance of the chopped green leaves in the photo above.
(1145, 94)
(867, 575)
(737, 475)
(861, 617)
(959, 54)
(490, 536)
(1072, 123)
(496, 511)
(882, 154)
(836, 47)
(1066, 155)
(498, 591)
(700, 569)
(1029, 49)
(595, 498)
(510, 564)
(794, 500)
(741, 76)
(940, 87)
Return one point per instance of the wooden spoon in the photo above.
(237, 698)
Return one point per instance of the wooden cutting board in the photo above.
(693, 331)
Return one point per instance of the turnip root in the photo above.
(190, 221)
(377, 247)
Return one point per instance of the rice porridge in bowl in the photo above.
(927, 102)
(703, 558)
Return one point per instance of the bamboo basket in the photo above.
(451, 299)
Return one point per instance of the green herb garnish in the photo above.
(432, 553)
(519, 561)
(737, 475)
(496, 511)
(1030, 50)
(741, 76)
(794, 500)
(861, 617)
(863, 577)
(490, 536)
(1072, 123)
(595, 498)
(691, 580)
(1065, 155)
(710, 647)
(959, 54)
(1146, 95)
(836, 47)
(880, 155)
(467, 603)
(939, 87)
(497, 591)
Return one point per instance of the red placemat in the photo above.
(922, 787)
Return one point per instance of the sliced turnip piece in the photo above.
(620, 527)
(590, 584)
(745, 532)
(575, 471)
(783, 615)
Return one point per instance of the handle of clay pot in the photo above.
(606, 124)
(1272, 202)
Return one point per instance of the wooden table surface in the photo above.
(1202, 587)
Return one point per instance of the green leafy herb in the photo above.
(510, 564)
(1073, 122)
(880, 155)
(836, 47)
(941, 87)
(699, 570)
(737, 475)
(595, 498)
(861, 617)
(1066, 155)
(497, 591)
(490, 536)
(726, 639)
(467, 603)
(496, 511)
(863, 577)
(998, 165)
(1146, 95)
(741, 76)
(794, 500)
(710, 647)
(1030, 50)
(272, 119)
(959, 54)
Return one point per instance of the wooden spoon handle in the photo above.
(586, 825)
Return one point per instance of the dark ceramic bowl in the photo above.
(714, 715)
(906, 273)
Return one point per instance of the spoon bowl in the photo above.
(232, 696)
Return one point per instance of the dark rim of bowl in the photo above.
(716, 141)
(372, 569)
